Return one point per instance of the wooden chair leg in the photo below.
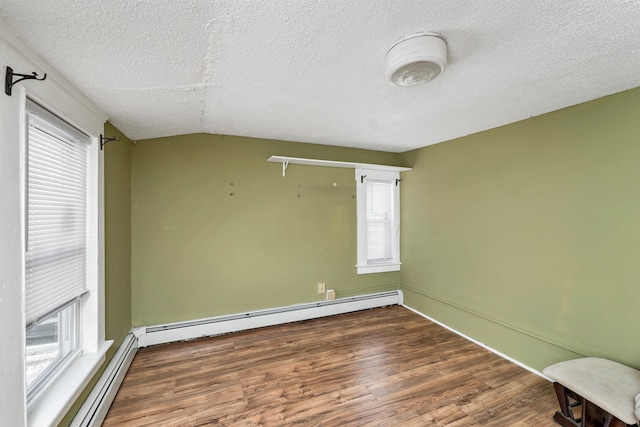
(565, 417)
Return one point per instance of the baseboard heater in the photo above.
(180, 331)
(96, 406)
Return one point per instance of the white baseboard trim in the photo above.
(180, 331)
(483, 345)
(96, 406)
(141, 335)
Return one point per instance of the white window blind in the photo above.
(56, 223)
(379, 221)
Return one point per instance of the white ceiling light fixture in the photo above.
(416, 59)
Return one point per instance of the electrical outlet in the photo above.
(321, 287)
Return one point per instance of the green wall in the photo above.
(117, 224)
(527, 237)
(216, 229)
(117, 195)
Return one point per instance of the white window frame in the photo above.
(364, 265)
(49, 120)
(54, 399)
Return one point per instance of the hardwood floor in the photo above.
(381, 367)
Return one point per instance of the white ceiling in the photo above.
(314, 71)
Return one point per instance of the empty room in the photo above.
(270, 213)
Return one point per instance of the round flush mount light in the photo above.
(416, 59)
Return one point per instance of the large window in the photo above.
(378, 211)
(56, 242)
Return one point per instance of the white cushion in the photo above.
(610, 385)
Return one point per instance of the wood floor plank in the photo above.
(380, 367)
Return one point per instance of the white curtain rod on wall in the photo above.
(286, 161)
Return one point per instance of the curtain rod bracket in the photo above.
(104, 140)
(9, 82)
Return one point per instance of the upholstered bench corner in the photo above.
(594, 392)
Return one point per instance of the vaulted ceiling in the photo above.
(314, 71)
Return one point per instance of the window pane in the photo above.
(379, 241)
(56, 238)
(50, 343)
(379, 221)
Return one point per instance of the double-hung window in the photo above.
(378, 220)
(56, 245)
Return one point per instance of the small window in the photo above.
(56, 240)
(378, 211)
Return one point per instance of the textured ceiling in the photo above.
(315, 71)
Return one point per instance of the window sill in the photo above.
(378, 268)
(50, 408)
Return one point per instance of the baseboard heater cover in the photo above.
(95, 408)
(180, 331)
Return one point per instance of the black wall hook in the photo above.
(104, 140)
(9, 82)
